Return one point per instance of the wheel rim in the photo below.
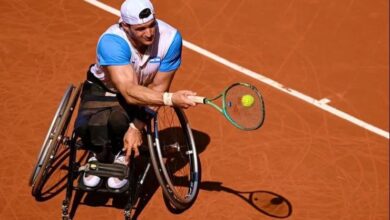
(177, 158)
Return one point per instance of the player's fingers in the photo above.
(128, 153)
(187, 102)
(185, 106)
(186, 92)
(189, 93)
(181, 99)
(125, 145)
(190, 103)
(136, 151)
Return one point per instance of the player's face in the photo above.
(144, 33)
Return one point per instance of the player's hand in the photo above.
(180, 99)
(131, 141)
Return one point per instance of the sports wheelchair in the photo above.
(170, 150)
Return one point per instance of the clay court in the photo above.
(323, 163)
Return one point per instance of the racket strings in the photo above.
(247, 114)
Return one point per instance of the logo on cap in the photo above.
(144, 13)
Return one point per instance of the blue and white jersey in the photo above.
(114, 48)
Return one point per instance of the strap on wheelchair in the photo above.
(120, 171)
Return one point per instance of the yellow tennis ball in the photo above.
(247, 100)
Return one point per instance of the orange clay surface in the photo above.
(325, 167)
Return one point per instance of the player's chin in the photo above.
(148, 42)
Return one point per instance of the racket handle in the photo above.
(197, 99)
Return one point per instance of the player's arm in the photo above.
(168, 67)
(125, 81)
(161, 83)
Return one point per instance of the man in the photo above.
(136, 61)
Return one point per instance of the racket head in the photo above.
(243, 115)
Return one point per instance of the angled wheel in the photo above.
(54, 138)
(174, 157)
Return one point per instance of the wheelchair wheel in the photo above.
(55, 137)
(174, 157)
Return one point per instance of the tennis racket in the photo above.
(241, 104)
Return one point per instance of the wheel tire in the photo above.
(54, 138)
(173, 152)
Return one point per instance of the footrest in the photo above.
(120, 171)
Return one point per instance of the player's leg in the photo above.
(118, 123)
(91, 126)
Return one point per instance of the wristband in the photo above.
(167, 98)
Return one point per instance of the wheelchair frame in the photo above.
(169, 155)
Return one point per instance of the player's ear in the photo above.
(124, 25)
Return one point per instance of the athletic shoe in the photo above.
(114, 182)
(91, 180)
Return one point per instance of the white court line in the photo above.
(322, 104)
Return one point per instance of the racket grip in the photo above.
(197, 99)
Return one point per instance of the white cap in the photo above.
(137, 11)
